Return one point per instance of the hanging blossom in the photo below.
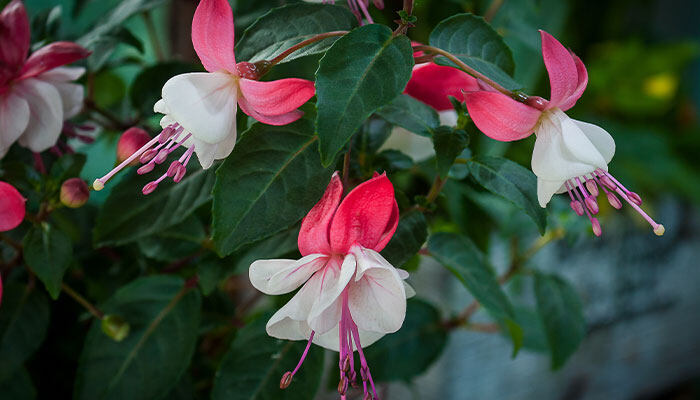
(350, 295)
(432, 84)
(569, 155)
(12, 210)
(358, 7)
(36, 93)
(200, 107)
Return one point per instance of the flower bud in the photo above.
(74, 193)
(115, 327)
(12, 207)
(131, 140)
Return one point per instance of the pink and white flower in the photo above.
(569, 155)
(36, 93)
(200, 107)
(350, 295)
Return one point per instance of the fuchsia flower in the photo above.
(350, 295)
(569, 155)
(36, 95)
(12, 208)
(358, 7)
(200, 107)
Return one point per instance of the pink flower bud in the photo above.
(74, 193)
(11, 207)
(131, 140)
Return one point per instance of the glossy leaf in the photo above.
(128, 215)
(255, 363)
(408, 238)
(362, 72)
(283, 27)
(411, 114)
(478, 45)
(24, 318)
(512, 182)
(449, 144)
(561, 313)
(149, 362)
(269, 182)
(413, 349)
(48, 252)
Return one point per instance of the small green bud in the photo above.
(115, 327)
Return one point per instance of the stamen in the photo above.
(612, 199)
(575, 204)
(99, 183)
(594, 221)
(634, 197)
(588, 199)
(659, 229)
(592, 187)
(287, 377)
(363, 7)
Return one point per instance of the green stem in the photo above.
(304, 43)
(493, 10)
(82, 301)
(435, 190)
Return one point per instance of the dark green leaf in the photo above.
(411, 114)
(19, 386)
(176, 242)
(255, 363)
(68, 166)
(24, 317)
(512, 182)
(128, 215)
(210, 273)
(363, 71)
(269, 182)
(276, 246)
(164, 320)
(283, 27)
(562, 316)
(48, 252)
(408, 238)
(410, 351)
(478, 45)
(147, 86)
(449, 144)
(393, 160)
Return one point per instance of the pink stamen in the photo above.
(592, 187)
(365, 11)
(575, 204)
(659, 229)
(588, 199)
(596, 225)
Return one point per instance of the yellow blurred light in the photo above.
(661, 86)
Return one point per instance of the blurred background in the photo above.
(640, 292)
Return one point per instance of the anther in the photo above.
(608, 182)
(179, 174)
(343, 385)
(613, 200)
(634, 197)
(149, 188)
(98, 185)
(592, 187)
(173, 168)
(148, 156)
(286, 380)
(592, 205)
(162, 155)
(577, 207)
(144, 169)
(346, 364)
(596, 227)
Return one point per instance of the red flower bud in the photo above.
(131, 140)
(74, 193)
(11, 207)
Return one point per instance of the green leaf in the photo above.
(411, 114)
(24, 317)
(283, 27)
(511, 181)
(363, 71)
(68, 166)
(255, 363)
(164, 320)
(269, 182)
(48, 252)
(19, 386)
(176, 242)
(276, 246)
(147, 86)
(461, 256)
(410, 351)
(127, 215)
(477, 44)
(408, 238)
(561, 312)
(449, 144)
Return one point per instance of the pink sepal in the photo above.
(276, 97)
(12, 208)
(313, 235)
(51, 56)
(15, 34)
(282, 119)
(500, 117)
(432, 84)
(562, 70)
(213, 35)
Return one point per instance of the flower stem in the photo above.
(82, 301)
(435, 190)
(153, 36)
(304, 43)
(493, 10)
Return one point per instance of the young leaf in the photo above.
(24, 317)
(283, 27)
(512, 182)
(163, 322)
(269, 182)
(409, 352)
(561, 312)
(449, 144)
(408, 238)
(48, 252)
(478, 45)
(363, 71)
(255, 363)
(411, 114)
(127, 215)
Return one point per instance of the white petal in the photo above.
(14, 118)
(448, 117)
(282, 276)
(403, 274)
(325, 313)
(62, 74)
(377, 301)
(547, 189)
(419, 148)
(329, 340)
(410, 292)
(46, 114)
(289, 322)
(600, 138)
(207, 153)
(72, 96)
(204, 104)
(161, 108)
